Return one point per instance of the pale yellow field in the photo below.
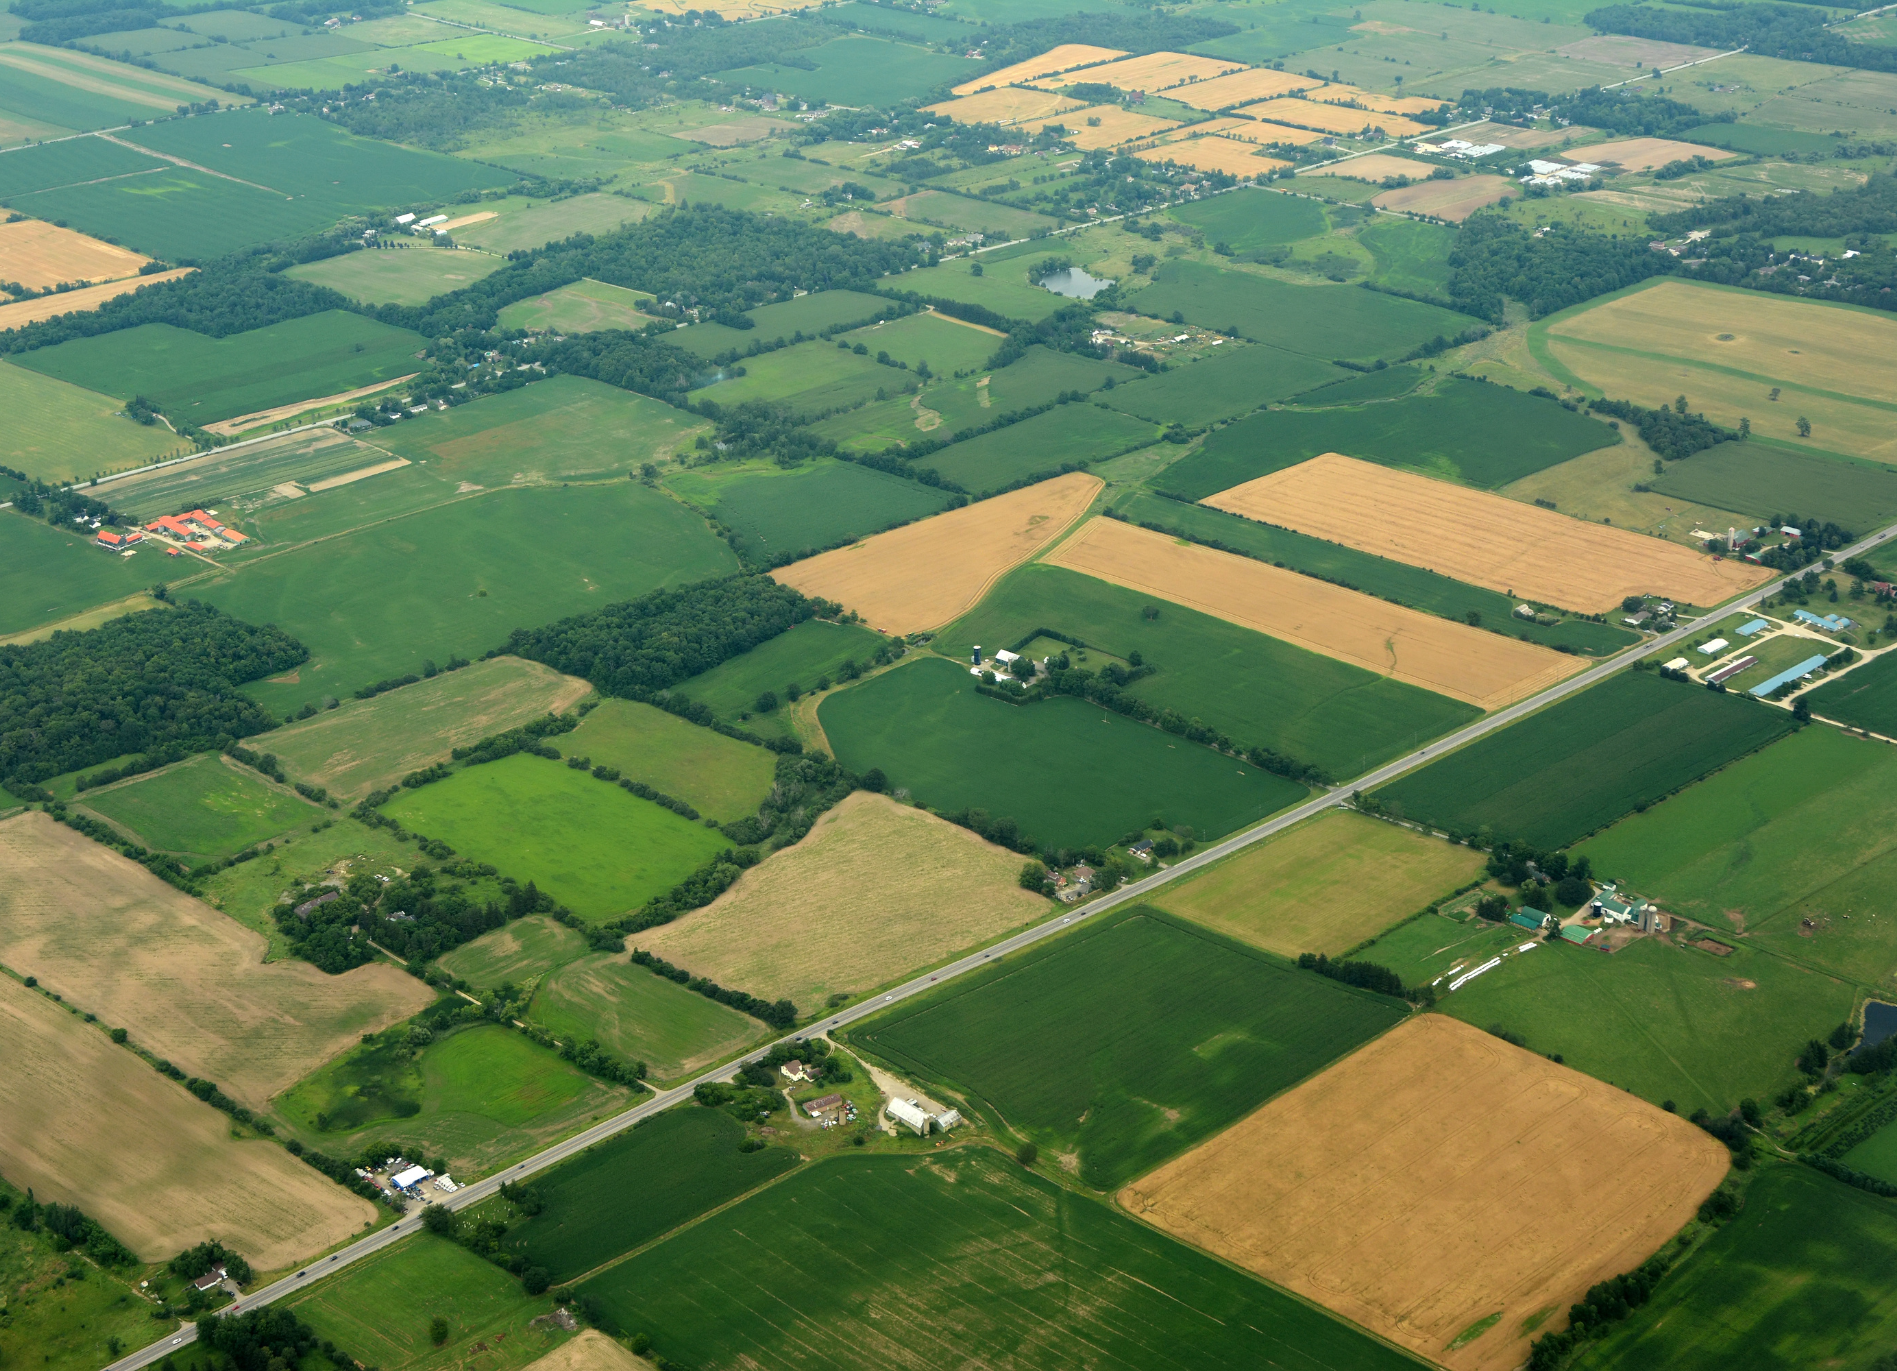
(186, 982)
(728, 9)
(1435, 1177)
(1452, 200)
(1158, 71)
(85, 1122)
(591, 1350)
(922, 575)
(104, 77)
(1375, 167)
(1489, 540)
(1244, 130)
(1644, 154)
(1453, 659)
(1055, 60)
(1310, 114)
(1005, 105)
(877, 889)
(39, 255)
(1381, 104)
(1242, 88)
(1213, 154)
(23, 312)
(1118, 124)
(1282, 133)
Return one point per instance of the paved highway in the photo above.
(579, 1142)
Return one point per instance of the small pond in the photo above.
(1880, 1021)
(1074, 282)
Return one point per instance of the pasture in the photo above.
(1409, 255)
(1128, 1040)
(1069, 435)
(803, 654)
(640, 1016)
(813, 378)
(57, 431)
(48, 575)
(1008, 287)
(592, 846)
(1480, 435)
(1865, 698)
(199, 380)
(1328, 885)
(398, 276)
(780, 513)
(640, 1185)
(1253, 218)
(365, 745)
(874, 890)
(188, 983)
(1369, 1190)
(717, 775)
(1325, 321)
(535, 223)
(947, 345)
(524, 949)
(1758, 479)
(968, 1242)
(1249, 685)
(1068, 773)
(1487, 539)
(1586, 761)
(178, 1178)
(1224, 386)
(200, 810)
(923, 575)
(583, 307)
(855, 71)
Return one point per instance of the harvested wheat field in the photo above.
(1374, 167)
(40, 255)
(85, 1122)
(876, 890)
(81, 301)
(365, 745)
(1117, 125)
(1156, 71)
(1311, 114)
(1452, 200)
(922, 575)
(1489, 540)
(1243, 88)
(1644, 154)
(1464, 663)
(592, 1350)
(1050, 63)
(186, 982)
(1378, 104)
(1229, 126)
(1435, 1179)
(1213, 154)
(1005, 105)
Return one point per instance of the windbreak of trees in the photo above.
(1796, 33)
(1623, 111)
(74, 1227)
(1869, 208)
(231, 296)
(1670, 430)
(1494, 257)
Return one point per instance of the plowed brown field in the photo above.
(1449, 658)
(1452, 200)
(1438, 1177)
(1485, 539)
(40, 255)
(924, 574)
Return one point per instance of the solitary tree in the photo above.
(438, 1330)
(1804, 427)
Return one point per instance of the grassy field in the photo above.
(48, 575)
(1039, 446)
(1255, 688)
(945, 209)
(1247, 219)
(947, 346)
(197, 379)
(1224, 386)
(786, 512)
(1006, 287)
(590, 845)
(1409, 255)
(1759, 479)
(1864, 698)
(60, 1308)
(783, 321)
(801, 654)
(687, 1161)
(812, 378)
(404, 276)
(583, 307)
(453, 580)
(57, 431)
(1794, 1280)
(1480, 435)
(534, 224)
(1324, 886)
(720, 776)
(1414, 586)
(1067, 772)
(857, 71)
(968, 1243)
(202, 809)
(1129, 1040)
(525, 948)
(180, 215)
(1580, 764)
(640, 1016)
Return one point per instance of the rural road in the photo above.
(663, 1100)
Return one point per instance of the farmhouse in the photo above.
(118, 542)
(198, 529)
(793, 1071)
(823, 1104)
(1610, 908)
(210, 1279)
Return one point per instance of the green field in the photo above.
(945, 209)
(782, 513)
(856, 71)
(1067, 772)
(685, 1161)
(1007, 287)
(1324, 321)
(88, 101)
(398, 276)
(1410, 255)
(1128, 1040)
(1582, 763)
(1876, 1155)
(779, 323)
(802, 654)
(1250, 218)
(814, 379)
(583, 307)
(1384, 384)
(1481, 435)
(1796, 1280)
(946, 346)
(1864, 698)
(61, 432)
(202, 809)
(1388, 580)
(458, 579)
(524, 949)
(1071, 434)
(1759, 479)
(1223, 386)
(68, 161)
(48, 574)
(720, 776)
(592, 846)
(179, 215)
(198, 379)
(640, 1016)
(535, 223)
(1760, 139)
(1255, 688)
(857, 1262)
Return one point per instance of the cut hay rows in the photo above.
(1436, 1177)
(1464, 663)
(1489, 540)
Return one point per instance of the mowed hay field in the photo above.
(1452, 200)
(1464, 663)
(186, 982)
(590, 1350)
(202, 809)
(873, 891)
(1435, 1178)
(720, 776)
(364, 745)
(1485, 539)
(85, 1122)
(1325, 886)
(640, 1015)
(921, 576)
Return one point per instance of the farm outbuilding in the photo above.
(910, 1114)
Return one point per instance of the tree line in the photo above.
(1796, 33)
(1669, 430)
(1493, 258)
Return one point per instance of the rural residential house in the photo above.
(118, 542)
(198, 529)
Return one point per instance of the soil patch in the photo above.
(1708, 945)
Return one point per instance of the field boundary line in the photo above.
(1722, 370)
(193, 166)
(1667, 71)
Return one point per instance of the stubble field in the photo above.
(40, 255)
(1452, 200)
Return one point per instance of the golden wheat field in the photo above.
(1050, 63)
(1243, 88)
(1117, 125)
(1004, 105)
(39, 255)
(1213, 154)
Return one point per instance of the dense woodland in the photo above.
(1670, 430)
(1495, 257)
(1797, 33)
(1617, 111)
(234, 295)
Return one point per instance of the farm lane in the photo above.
(477, 1191)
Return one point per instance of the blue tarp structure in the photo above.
(1809, 665)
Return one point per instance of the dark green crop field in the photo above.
(784, 320)
(1758, 479)
(780, 513)
(1799, 1279)
(1253, 218)
(1230, 383)
(857, 71)
(1481, 435)
(1353, 389)
(1581, 764)
(66, 163)
(1864, 698)
(202, 809)
(1039, 446)
(812, 378)
(1407, 585)
(1068, 773)
(48, 574)
(1252, 687)
(178, 214)
(1128, 1040)
(630, 1189)
(1760, 139)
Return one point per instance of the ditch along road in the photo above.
(477, 1191)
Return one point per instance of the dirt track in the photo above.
(1436, 1177)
